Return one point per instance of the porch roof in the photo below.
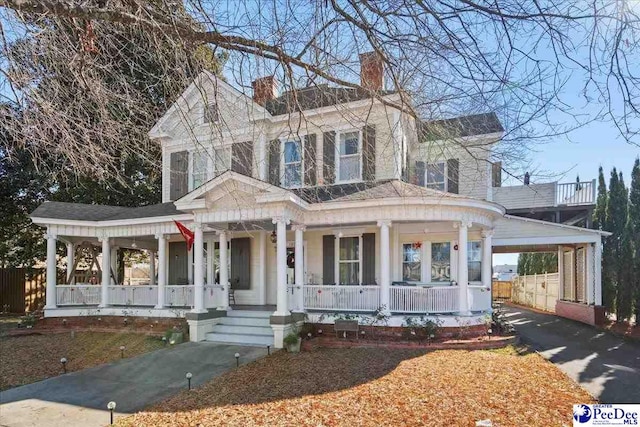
(87, 212)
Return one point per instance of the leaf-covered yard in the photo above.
(30, 358)
(373, 387)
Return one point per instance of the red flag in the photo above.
(186, 233)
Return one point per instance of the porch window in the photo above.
(350, 157)
(436, 177)
(411, 262)
(292, 164)
(222, 160)
(474, 260)
(199, 169)
(441, 262)
(349, 261)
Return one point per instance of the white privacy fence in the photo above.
(536, 290)
(341, 298)
(78, 294)
(436, 299)
(133, 295)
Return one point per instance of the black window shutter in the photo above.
(309, 146)
(241, 157)
(496, 174)
(453, 167)
(328, 259)
(369, 259)
(369, 153)
(179, 175)
(241, 263)
(329, 157)
(420, 173)
(274, 162)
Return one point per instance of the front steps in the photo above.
(244, 327)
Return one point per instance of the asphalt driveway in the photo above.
(608, 367)
(80, 398)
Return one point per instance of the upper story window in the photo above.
(350, 156)
(199, 168)
(436, 176)
(211, 113)
(292, 162)
(221, 160)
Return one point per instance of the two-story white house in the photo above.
(318, 201)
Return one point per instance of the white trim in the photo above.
(550, 240)
(555, 224)
(107, 223)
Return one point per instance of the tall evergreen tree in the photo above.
(634, 224)
(615, 223)
(600, 212)
(625, 290)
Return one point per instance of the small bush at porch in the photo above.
(345, 387)
(31, 358)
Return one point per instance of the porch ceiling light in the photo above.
(274, 236)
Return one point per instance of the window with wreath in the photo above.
(349, 261)
(412, 262)
(350, 157)
(292, 164)
(474, 260)
(441, 262)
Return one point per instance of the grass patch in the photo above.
(373, 387)
(31, 358)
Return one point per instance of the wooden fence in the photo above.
(21, 289)
(501, 290)
(538, 290)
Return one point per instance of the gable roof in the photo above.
(316, 96)
(458, 127)
(86, 212)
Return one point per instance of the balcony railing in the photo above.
(576, 193)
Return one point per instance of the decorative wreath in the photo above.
(291, 260)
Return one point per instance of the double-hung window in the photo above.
(411, 262)
(474, 260)
(199, 162)
(350, 156)
(349, 261)
(441, 262)
(211, 113)
(222, 160)
(436, 176)
(292, 158)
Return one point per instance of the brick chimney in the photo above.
(371, 71)
(264, 89)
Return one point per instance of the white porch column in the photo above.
(190, 267)
(463, 267)
(281, 266)
(385, 273)
(560, 273)
(597, 283)
(589, 276)
(106, 272)
(487, 261)
(152, 267)
(113, 263)
(162, 269)
(224, 273)
(210, 280)
(299, 266)
(198, 267)
(51, 297)
(71, 252)
(262, 268)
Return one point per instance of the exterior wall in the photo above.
(589, 314)
(526, 196)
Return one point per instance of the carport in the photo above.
(579, 295)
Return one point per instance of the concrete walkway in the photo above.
(80, 398)
(608, 367)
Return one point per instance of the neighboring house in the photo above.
(327, 201)
(505, 272)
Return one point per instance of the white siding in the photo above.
(526, 196)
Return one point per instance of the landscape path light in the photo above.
(237, 356)
(122, 351)
(111, 406)
(64, 364)
(189, 375)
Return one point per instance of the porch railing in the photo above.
(341, 298)
(78, 294)
(179, 296)
(133, 295)
(213, 296)
(436, 299)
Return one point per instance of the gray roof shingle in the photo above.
(458, 127)
(84, 212)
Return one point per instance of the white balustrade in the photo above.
(341, 298)
(479, 298)
(179, 296)
(415, 299)
(213, 296)
(133, 295)
(78, 294)
(576, 193)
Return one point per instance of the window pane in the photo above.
(349, 143)
(223, 160)
(349, 168)
(441, 262)
(292, 175)
(411, 271)
(199, 169)
(349, 273)
(437, 186)
(211, 114)
(291, 152)
(435, 173)
(410, 253)
(349, 250)
(475, 271)
(474, 251)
